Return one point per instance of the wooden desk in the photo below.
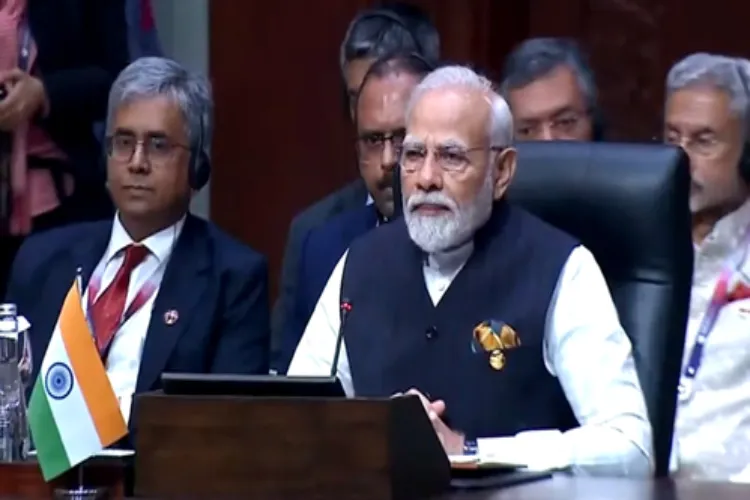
(567, 488)
(570, 488)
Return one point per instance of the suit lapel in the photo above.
(354, 195)
(87, 252)
(361, 221)
(370, 219)
(185, 281)
(84, 254)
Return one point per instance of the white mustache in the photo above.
(433, 198)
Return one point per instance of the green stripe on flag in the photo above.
(50, 451)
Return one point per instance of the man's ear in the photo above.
(504, 166)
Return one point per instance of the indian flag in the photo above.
(73, 412)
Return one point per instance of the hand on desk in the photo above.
(452, 441)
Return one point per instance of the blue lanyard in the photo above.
(719, 299)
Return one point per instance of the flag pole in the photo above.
(80, 477)
(79, 281)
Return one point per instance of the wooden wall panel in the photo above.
(624, 39)
(282, 138)
(633, 43)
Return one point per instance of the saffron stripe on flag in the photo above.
(52, 457)
(89, 371)
(68, 406)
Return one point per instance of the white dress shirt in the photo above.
(124, 358)
(585, 348)
(713, 427)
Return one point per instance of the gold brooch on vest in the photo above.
(494, 337)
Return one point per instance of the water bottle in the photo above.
(14, 431)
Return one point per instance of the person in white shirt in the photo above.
(501, 324)
(164, 291)
(707, 113)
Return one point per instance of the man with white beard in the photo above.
(502, 325)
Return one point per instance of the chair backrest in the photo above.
(628, 204)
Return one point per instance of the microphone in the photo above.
(345, 308)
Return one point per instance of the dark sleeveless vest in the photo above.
(396, 339)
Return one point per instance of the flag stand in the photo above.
(80, 477)
(80, 491)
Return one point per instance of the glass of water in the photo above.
(25, 359)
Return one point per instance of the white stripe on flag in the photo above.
(72, 417)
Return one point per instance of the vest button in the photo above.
(431, 333)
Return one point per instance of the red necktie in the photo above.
(110, 306)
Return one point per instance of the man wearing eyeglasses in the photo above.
(707, 113)
(551, 91)
(373, 33)
(499, 323)
(163, 290)
(379, 115)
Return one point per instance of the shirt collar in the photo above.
(159, 244)
(729, 231)
(451, 260)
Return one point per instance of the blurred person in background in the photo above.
(393, 27)
(550, 88)
(380, 118)
(143, 38)
(707, 113)
(58, 60)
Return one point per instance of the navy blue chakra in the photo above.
(59, 381)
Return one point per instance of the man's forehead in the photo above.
(158, 114)
(547, 95)
(702, 106)
(148, 107)
(456, 113)
(393, 88)
(355, 71)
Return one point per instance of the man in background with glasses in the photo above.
(379, 116)
(163, 290)
(551, 91)
(390, 28)
(498, 322)
(707, 113)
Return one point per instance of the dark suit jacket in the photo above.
(350, 197)
(321, 251)
(217, 285)
(82, 47)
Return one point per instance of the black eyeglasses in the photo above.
(157, 149)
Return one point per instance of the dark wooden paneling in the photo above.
(624, 38)
(633, 43)
(282, 138)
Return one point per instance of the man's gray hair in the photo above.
(150, 77)
(501, 121)
(399, 27)
(727, 74)
(537, 57)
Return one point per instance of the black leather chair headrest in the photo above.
(628, 204)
